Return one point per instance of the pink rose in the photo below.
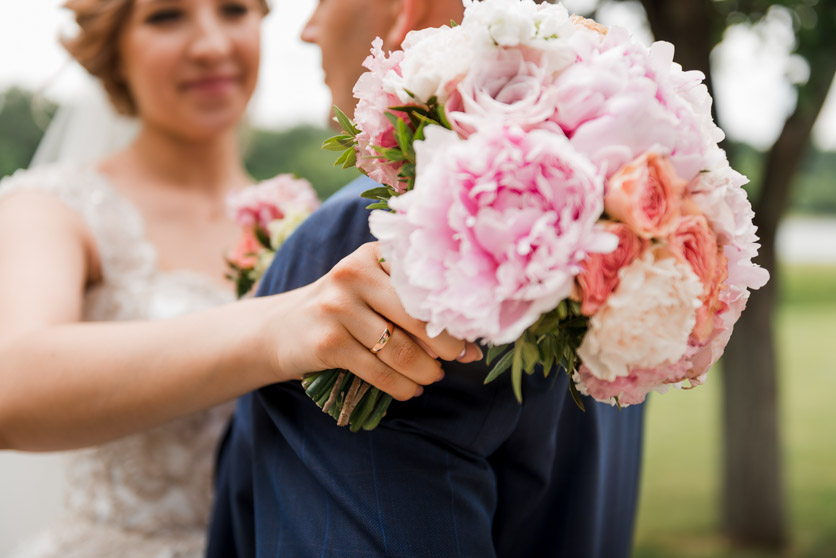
(502, 87)
(370, 116)
(494, 231)
(694, 240)
(645, 195)
(599, 274)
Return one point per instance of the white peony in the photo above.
(647, 320)
(517, 22)
(434, 58)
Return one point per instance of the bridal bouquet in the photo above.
(555, 189)
(267, 213)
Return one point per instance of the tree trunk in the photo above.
(753, 495)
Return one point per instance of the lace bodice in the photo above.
(148, 494)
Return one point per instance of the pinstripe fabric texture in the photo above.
(462, 471)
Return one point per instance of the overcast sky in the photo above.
(750, 91)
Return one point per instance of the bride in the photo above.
(117, 335)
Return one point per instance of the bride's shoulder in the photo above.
(57, 178)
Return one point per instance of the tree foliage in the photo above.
(22, 123)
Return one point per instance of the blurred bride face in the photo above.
(191, 65)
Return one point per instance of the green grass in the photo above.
(678, 511)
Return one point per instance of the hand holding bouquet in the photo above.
(267, 213)
(556, 190)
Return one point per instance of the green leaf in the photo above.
(501, 366)
(392, 118)
(530, 356)
(563, 310)
(419, 132)
(263, 237)
(344, 157)
(576, 396)
(403, 136)
(442, 117)
(494, 351)
(517, 371)
(411, 109)
(390, 154)
(380, 193)
(571, 359)
(243, 285)
(338, 143)
(547, 324)
(351, 160)
(407, 170)
(345, 122)
(378, 205)
(550, 353)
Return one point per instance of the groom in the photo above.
(461, 471)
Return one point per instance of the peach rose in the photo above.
(645, 195)
(696, 243)
(245, 254)
(599, 274)
(590, 24)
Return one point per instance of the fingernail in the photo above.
(464, 352)
(440, 376)
(419, 391)
(479, 354)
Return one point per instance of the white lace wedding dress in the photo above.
(147, 495)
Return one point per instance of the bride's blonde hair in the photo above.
(95, 45)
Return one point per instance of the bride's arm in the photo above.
(67, 384)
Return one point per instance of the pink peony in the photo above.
(622, 99)
(263, 203)
(647, 320)
(502, 87)
(494, 231)
(599, 274)
(370, 115)
(630, 389)
(645, 195)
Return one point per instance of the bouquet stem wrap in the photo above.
(350, 400)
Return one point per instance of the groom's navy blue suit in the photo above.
(461, 471)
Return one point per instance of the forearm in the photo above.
(82, 384)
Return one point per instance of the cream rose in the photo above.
(647, 320)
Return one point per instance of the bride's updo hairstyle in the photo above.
(94, 46)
